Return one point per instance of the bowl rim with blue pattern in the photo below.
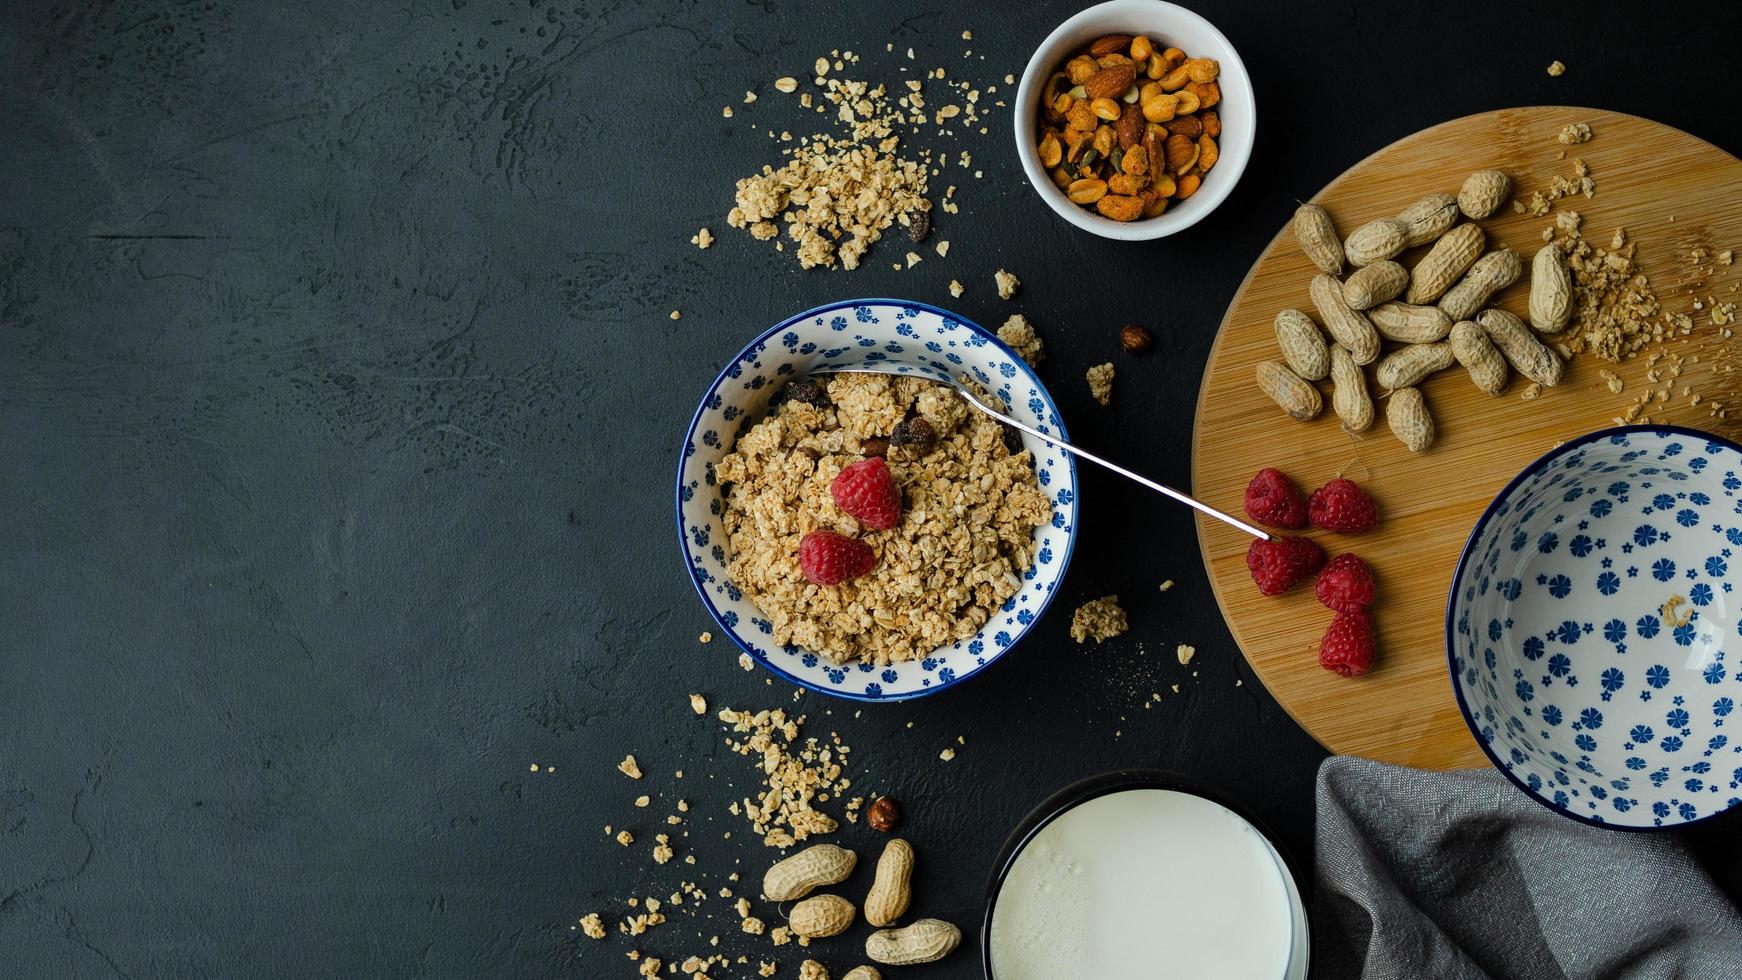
(1467, 557)
(728, 371)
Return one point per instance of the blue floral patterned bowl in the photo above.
(1588, 626)
(895, 335)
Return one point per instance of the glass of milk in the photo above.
(1139, 874)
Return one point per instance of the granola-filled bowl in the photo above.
(893, 334)
(1168, 24)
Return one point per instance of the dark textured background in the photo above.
(338, 405)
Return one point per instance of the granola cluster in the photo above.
(966, 534)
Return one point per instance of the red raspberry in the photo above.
(1283, 562)
(830, 559)
(1346, 584)
(1340, 505)
(1347, 648)
(1273, 499)
(867, 491)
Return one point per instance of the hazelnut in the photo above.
(884, 815)
(1134, 338)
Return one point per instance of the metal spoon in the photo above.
(943, 377)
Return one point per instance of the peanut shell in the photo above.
(1349, 396)
(1483, 193)
(1317, 237)
(1348, 327)
(1406, 366)
(1285, 388)
(1479, 356)
(1527, 355)
(1406, 413)
(1375, 241)
(1491, 273)
(1551, 290)
(1449, 259)
(1303, 347)
(1429, 218)
(1410, 324)
(1373, 284)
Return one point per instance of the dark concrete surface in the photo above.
(338, 405)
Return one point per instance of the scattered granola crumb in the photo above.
(752, 925)
(967, 35)
(942, 248)
(1007, 284)
(745, 662)
(1019, 334)
(780, 935)
(662, 851)
(592, 926)
(706, 637)
(1556, 69)
(812, 970)
(795, 775)
(625, 838)
(956, 288)
(643, 800)
(1185, 652)
(1167, 585)
(676, 315)
(947, 754)
(628, 767)
(727, 112)
(1101, 382)
(1572, 134)
(698, 704)
(1101, 618)
(765, 969)
(702, 239)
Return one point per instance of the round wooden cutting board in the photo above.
(1672, 193)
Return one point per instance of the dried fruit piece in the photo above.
(1347, 648)
(1349, 398)
(1303, 347)
(1346, 584)
(827, 558)
(1406, 366)
(1483, 193)
(1429, 218)
(867, 491)
(1273, 499)
(1348, 327)
(1491, 273)
(1450, 257)
(1374, 284)
(1341, 505)
(1479, 356)
(916, 434)
(1287, 389)
(1376, 240)
(1406, 413)
(1410, 324)
(1551, 290)
(1527, 355)
(1317, 238)
(1283, 562)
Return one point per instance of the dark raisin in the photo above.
(916, 434)
(807, 390)
(918, 225)
(875, 446)
(1012, 437)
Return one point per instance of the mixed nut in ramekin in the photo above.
(1135, 119)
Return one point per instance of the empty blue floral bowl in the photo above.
(1593, 626)
(886, 332)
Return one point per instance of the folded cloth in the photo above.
(1461, 876)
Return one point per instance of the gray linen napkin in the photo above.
(1461, 876)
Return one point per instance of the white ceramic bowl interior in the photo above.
(910, 336)
(1593, 628)
(1169, 25)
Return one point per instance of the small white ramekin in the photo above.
(1169, 25)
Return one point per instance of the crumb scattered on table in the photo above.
(1101, 382)
(628, 767)
(702, 239)
(1185, 652)
(1007, 283)
(1019, 334)
(1101, 618)
(1556, 69)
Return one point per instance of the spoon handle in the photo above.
(1115, 467)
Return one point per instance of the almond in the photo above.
(1130, 126)
(1110, 83)
(1191, 127)
(1110, 44)
(1182, 153)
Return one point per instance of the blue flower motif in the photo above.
(1716, 566)
(1559, 665)
(1533, 648)
(1713, 673)
(1580, 545)
(1642, 734)
(1510, 589)
(1614, 631)
(1560, 586)
(1551, 714)
(1525, 690)
(1648, 626)
(1663, 569)
(1700, 595)
(1645, 535)
(1687, 517)
(1676, 718)
(1683, 635)
(1613, 680)
(1657, 675)
(1591, 718)
(1548, 542)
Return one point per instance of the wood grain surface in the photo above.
(1672, 192)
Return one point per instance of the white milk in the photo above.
(1144, 883)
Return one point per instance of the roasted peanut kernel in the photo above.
(1173, 57)
(1120, 207)
(1086, 191)
(1185, 102)
(1051, 151)
(1208, 93)
(1212, 123)
(1141, 48)
(1187, 186)
(1202, 70)
(1081, 69)
(1175, 79)
(1105, 140)
(1105, 108)
(1208, 152)
(1160, 108)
